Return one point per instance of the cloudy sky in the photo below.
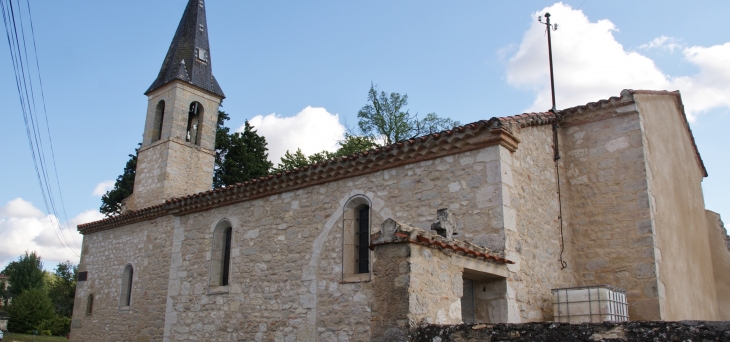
(299, 72)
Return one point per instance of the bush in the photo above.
(58, 325)
(29, 310)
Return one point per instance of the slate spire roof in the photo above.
(188, 58)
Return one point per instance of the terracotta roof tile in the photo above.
(396, 232)
(499, 130)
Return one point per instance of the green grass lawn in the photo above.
(10, 337)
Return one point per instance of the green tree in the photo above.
(292, 161)
(63, 288)
(431, 123)
(240, 156)
(222, 145)
(24, 274)
(111, 202)
(321, 156)
(354, 144)
(4, 294)
(57, 325)
(350, 145)
(29, 311)
(385, 117)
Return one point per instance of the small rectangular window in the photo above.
(90, 304)
(201, 54)
(82, 276)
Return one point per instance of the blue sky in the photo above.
(311, 64)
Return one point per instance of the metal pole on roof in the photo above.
(554, 27)
(556, 157)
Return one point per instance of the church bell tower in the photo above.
(178, 147)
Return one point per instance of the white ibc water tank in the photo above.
(584, 304)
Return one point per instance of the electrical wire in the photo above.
(48, 126)
(23, 82)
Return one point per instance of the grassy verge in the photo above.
(11, 337)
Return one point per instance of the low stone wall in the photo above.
(565, 332)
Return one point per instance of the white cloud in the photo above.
(20, 208)
(710, 88)
(312, 130)
(24, 227)
(591, 65)
(103, 187)
(664, 43)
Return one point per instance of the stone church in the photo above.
(473, 224)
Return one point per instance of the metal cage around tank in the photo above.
(598, 303)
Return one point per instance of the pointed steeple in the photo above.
(188, 58)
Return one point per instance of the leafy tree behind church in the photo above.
(385, 117)
(111, 202)
(239, 156)
(352, 144)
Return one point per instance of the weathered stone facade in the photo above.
(168, 166)
(564, 332)
(301, 255)
(288, 259)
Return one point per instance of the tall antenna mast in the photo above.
(554, 27)
(556, 150)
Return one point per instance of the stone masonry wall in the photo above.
(608, 206)
(565, 332)
(435, 287)
(391, 280)
(146, 246)
(686, 283)
(172, 167)
(286, 260)
(720, 262)
(536, 239)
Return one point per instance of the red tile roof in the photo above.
(395, 232)
(480, 134)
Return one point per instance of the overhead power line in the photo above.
(15, 32)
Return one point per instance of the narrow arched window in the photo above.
(362, 239)
(125, 298)
(89, 304)
(220, 267)
(157, 124)
(356, 240)
(195, 116)
(226, 257)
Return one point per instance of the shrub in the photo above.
(29, 310)
(58, 325)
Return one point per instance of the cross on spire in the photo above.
(188, 58)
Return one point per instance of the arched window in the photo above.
(159, 118)
(362, 239)
(220, 265)
(125, 298)
(195, 119)
(89, 304)
(356, 240)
